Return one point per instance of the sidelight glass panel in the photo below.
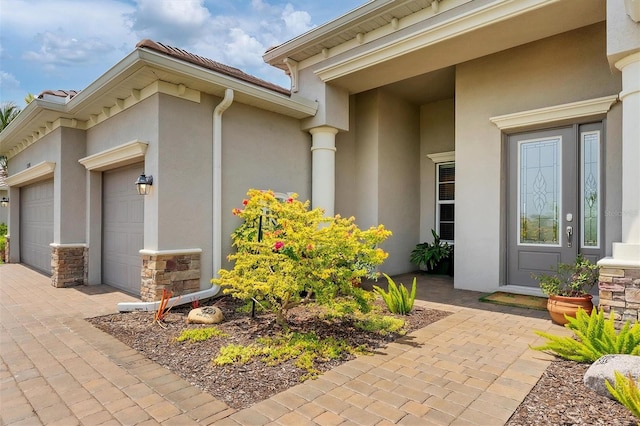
(590, 188)
(539, 195)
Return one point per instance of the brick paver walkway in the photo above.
(473, 367)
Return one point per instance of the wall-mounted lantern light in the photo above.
(4, 202)
(143, 183)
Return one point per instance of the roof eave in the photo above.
(293, 106)
(276, 55)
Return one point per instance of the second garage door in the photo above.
(122, 229)
(36, 225)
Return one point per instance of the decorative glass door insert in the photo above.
(590, 188)
(539, 191)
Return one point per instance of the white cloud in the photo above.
(8, 81)
(243, 49)
(296, 21)
(58, 49)
(174, 21)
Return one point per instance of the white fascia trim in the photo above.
(496, 11)
(296, 106)
(146, 252)
(326, 30)
(35, 173)
(114, 157)
(442, 157)
(568, 111)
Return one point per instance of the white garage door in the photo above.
(122, 229)
(36, 225)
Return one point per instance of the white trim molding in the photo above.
(78, 245)
(40, 171)
(590, 107)
(121, 155)
(442, 157)
(146, 252)
(477, 18)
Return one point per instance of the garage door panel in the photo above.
(123, 231)
(36, 225)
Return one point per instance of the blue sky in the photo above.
(67, 44)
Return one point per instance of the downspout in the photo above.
(217, 219)
(217, 179)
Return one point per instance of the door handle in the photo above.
(569, 232)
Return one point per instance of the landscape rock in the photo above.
(206, 315)
(603, 370)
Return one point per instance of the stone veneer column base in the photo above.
(68, 265)
(172, 270)
(620, 291)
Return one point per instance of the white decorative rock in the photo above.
(603, 369)
(206, 315)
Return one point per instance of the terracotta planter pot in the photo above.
(558, 306)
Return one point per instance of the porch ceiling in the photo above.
(368, 67)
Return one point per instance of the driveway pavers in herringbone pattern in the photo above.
(472, 367)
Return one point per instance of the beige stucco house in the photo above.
(510, 127)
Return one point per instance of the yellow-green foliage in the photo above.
(200, 334)
(286, 253)
(627, 392)
(381, 324)
(596, 337)
(398, 299)
(304, 348)
(237, 354)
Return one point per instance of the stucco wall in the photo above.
(70, 189)
(566, 68)
(261, 150)
(437, 134)
(377, 169)
(399, 179)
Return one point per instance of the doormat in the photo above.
(518, 300)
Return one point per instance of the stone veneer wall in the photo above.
(179, 273)
(69, 266)
(620, 293)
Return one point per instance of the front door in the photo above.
(554, 192)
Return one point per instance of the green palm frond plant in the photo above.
(596, 337)
(397, 298)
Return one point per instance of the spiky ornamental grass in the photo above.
(397, 299)
(627, 392)
(596, 337)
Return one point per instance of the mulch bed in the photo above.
(240, 386)
(559, 398)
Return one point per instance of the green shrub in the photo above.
(287, 255)
(398, 299)
(303, 348)
(596, 337)
(381, 324)
(3, 242)
(200, 334)
(627, 392)
(3, 229)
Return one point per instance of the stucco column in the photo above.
(630, 97)
(323, 168)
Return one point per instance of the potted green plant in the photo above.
(568, 289)
(434, 257)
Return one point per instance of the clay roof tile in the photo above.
(210, 64)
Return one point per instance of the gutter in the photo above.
(217, 179)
